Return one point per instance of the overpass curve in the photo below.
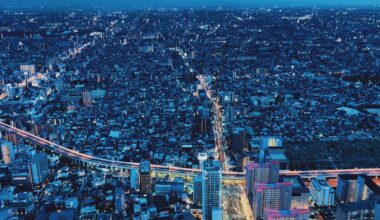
(123, 165)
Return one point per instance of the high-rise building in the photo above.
(241, 162)
(11, 136)
(29, 68)
(346, 190)
(288, 214)
(358, 198)
(134, 179)
(239, 140)
(300, 192)
(261, 173)
(197, 194)
(120, 203)
(203, 121)
(217, 213)
(321, 192)
(38, 168)
(202, 157)
(7, 150)
(363, 210)
(211, 188)
(145, 177)
(87, 99)
(271, 196)
(352, 188)
(204, 125)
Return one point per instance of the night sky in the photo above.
(183, 3)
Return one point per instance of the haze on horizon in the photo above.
(182, 3)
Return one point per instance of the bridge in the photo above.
(123, 166)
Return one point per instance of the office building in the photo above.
(286, 214)
(134, 179)
(321, 192)
(38, 168)
(204, 125)
(29, 68)
(211, 188)
(202, 157)
(8, 152)
(346, 190)
(197, 192)
(120, 202)
(352, 188)
(11, 136)
(261, 173)
(166, 187)
(358, 198)
(271, 196)
(87, 99)
(241, 162)
(145, 177)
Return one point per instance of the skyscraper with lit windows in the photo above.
(271, 196)
(145, 177)
(261, 173)
(211, 188)
(38, 168)
(7, 150)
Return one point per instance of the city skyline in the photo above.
(251, 114)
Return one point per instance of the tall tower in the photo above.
(212, 188)
(271, 196)
(145, 177)
(348, 188)
(261, 173)
(7, 150)
(120, 203)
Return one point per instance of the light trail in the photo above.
(218, 123)
(123, 165)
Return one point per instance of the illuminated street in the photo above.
(188, 110)
(220, 145)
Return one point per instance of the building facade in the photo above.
(8, 152)
(145, 177)
(261, 173)
(321, 192)
(211, 188)
(271, 196)
(38, 168)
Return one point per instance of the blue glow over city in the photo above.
(190, 110)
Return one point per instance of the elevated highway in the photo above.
(97, 162)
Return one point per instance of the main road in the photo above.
(218, 123)
(220, 146)
(123, 165)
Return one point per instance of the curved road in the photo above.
(122, 165)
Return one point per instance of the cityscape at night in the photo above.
(190, 110)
